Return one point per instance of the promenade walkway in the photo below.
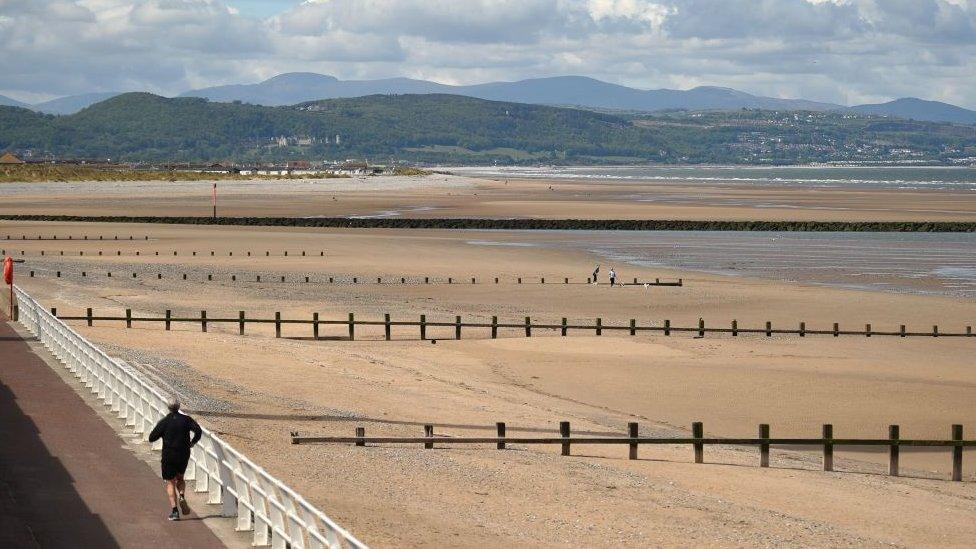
(66, 479)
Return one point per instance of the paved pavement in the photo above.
(66, 479)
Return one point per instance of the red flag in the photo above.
(8, 270)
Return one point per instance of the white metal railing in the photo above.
(278, 516)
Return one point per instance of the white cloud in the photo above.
(830, 50)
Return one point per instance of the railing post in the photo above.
(500, 429)
(386, 325)
(428, 433)
(88, 315)
(169, 315)
(893, 450)
(457, 327)
(423, 327)
(764, 448)
(240, 322)
(632, 430)
(828, 447)
(957, 454)
(128, 318)
(528, 327)
(203, 320)
(494, 327)
(352, 327)
(564, 432)
(277, 323)
(698, 431)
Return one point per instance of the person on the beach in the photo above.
(595, 273)
(613, 277)
(175, 430)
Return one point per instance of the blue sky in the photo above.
(841, 51)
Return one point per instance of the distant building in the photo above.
(9, 158)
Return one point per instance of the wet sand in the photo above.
(255, 389)
(444, 196)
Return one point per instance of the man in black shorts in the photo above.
(175, 431)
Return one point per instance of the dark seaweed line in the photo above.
(532, 224)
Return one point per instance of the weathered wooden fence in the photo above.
(697, 441)
(306, 279)
(423, 324)
(71, 237)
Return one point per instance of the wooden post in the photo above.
(423, 327)
(828, 448)
(698, 431)
(282, 278)
(564, 432)
(735, 328)
(379, 280)
(632, 430)
(528, 327)
(428, 433)
(542, 280)
(240, 322)
(566, 280)
(935, 331)
(450, 280)
(701, 327)
(494, 327)
(764, 448)
(128, 318)
(667, 327)
(599, 326)
(564, 328)
(633, 327)
(519, 280)
(473, 281)
(352, 327)
(957, 454)
(769, 329)
(803, 329)
(836, 329)
(901, 331)
(169, 315)
(88, 314)
(496, 280)
(386, 325)
(457, 327)
(426, 280)
(203, 320)
(867, 330)
(969, 331)
(360, 434)
(893, 450)
(500, 429)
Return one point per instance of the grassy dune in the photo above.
(31, 173)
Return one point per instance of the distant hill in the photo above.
(919, 109)
(141, 126)
(292, 88)
(72, 103)
(10, 102)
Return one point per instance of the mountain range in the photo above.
(575, 91)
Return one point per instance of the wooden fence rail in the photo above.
(71, 237)
(632, 328)
(698, 441)
(302, 279)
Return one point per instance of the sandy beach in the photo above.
(446, 196)
(255, 389)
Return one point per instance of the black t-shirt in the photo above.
(175, 431)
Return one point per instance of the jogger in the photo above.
(175, 430)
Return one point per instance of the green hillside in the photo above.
(455, 129)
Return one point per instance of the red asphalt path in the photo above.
(65, 478)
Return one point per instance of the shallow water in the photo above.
(886, 177)
(924, 263)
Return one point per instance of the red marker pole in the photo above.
(215, 200)
(8, 277)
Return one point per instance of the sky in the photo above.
(841, 51)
